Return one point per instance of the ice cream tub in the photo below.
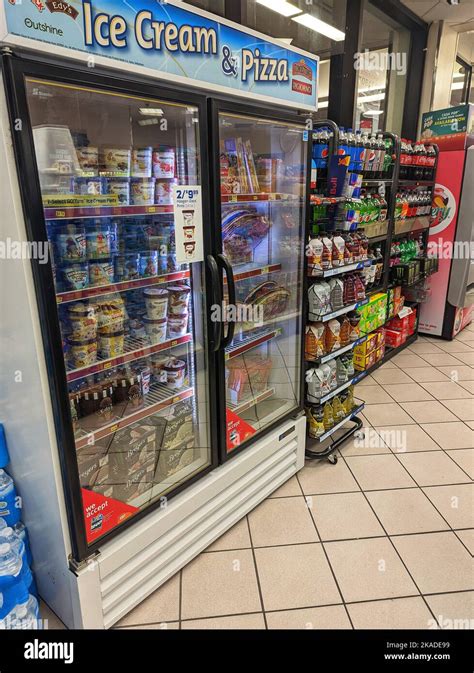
(111, 345)
(158, 363)
(116, 161)
(175, 374)
(101, 273)
(164, 161)
(86, 186)
(71, 244)
(149, 263)
(98, 241)
(155, 329)
(83, 352)
(141, 162)
(177, 325)
(121, 188)
(88, 158)
(142, 191)
(156, 301)
(83, 321)
(76, 276)
(164, 192)
(178, 299)
(127, 266)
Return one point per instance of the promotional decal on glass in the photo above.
(188, 224)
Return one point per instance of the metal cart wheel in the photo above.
(332, 458)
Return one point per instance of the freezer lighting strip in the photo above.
(248, 404)
(65, 297)
(334, 314)
(337, 427)
(339, 270)
(137, 354)
(262, 271)
(151, 407)
(248, 344)
(336, 354)
(77, 212)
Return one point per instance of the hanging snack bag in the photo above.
(332, 374)
(315, 416)
(354, 319)
(336, 286)
(345, 332)
(318, 383)
(315, 255)
(332, 336)
(314, 341)
(338, 248)
(319, 299)
(326, 261)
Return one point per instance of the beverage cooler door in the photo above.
(261, 206)
(130, 308)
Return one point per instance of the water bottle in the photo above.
(9, 536)
(11, 587)
(20, 530)
(4, 457)
(25, 614)
(8, 505)
(3, 523)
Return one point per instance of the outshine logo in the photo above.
(40, 650)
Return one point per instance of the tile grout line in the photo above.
(180, 598)
(326, 555)
(392, 543)
(256, 573)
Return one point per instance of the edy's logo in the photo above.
(63, 7)
(41, 650)
(300, 68)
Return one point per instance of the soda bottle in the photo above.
(352, 148)
(387, 160)
(343, 149)
(409, 160)
(366, 155)
(383, 209)
(380, 156)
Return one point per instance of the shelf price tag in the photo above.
(187, 203)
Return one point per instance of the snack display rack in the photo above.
(397, 227)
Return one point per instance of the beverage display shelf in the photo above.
(79, 213)
(331, 356)
(332, 393)
(418, 228)
(319, 200)
(341, 311)
(99, 290)
(411, 182)
(339, 425)
(374, 182)
(253, 273)
(135, 349)
(339, 270)
(160, 397)
(377, 239)
(240, 346)
(260, 196)
(250, 402)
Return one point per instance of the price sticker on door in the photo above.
(188, 224)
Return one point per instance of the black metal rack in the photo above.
(392, 184)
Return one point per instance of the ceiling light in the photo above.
(150, 111)
(321, 27)
(372, 113)
(323, 104)
(371, 99)
(148, 122)
(280, 6)
(286, 40)
(456, 86)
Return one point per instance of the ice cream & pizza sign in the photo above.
(174, 40)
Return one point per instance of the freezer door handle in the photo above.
(216, 308)
(226, 266)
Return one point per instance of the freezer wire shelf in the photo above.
(134, 349)
(79, 213)
(339, 270)
(159, 397)
(240, 346)
(251, 401)
(253, 273)
(99, 290)
(331, 356)
(260, 196)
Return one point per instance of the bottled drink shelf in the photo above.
(78, 212)
(99, 290)
(135, 349)
(159, 397)
(404, 182)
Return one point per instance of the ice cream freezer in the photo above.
(152, 329)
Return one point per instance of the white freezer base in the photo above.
(137, 562)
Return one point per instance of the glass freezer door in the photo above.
(130, 313)
(263, 170)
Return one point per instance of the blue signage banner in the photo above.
(170, 40)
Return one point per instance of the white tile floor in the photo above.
(382, 539)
